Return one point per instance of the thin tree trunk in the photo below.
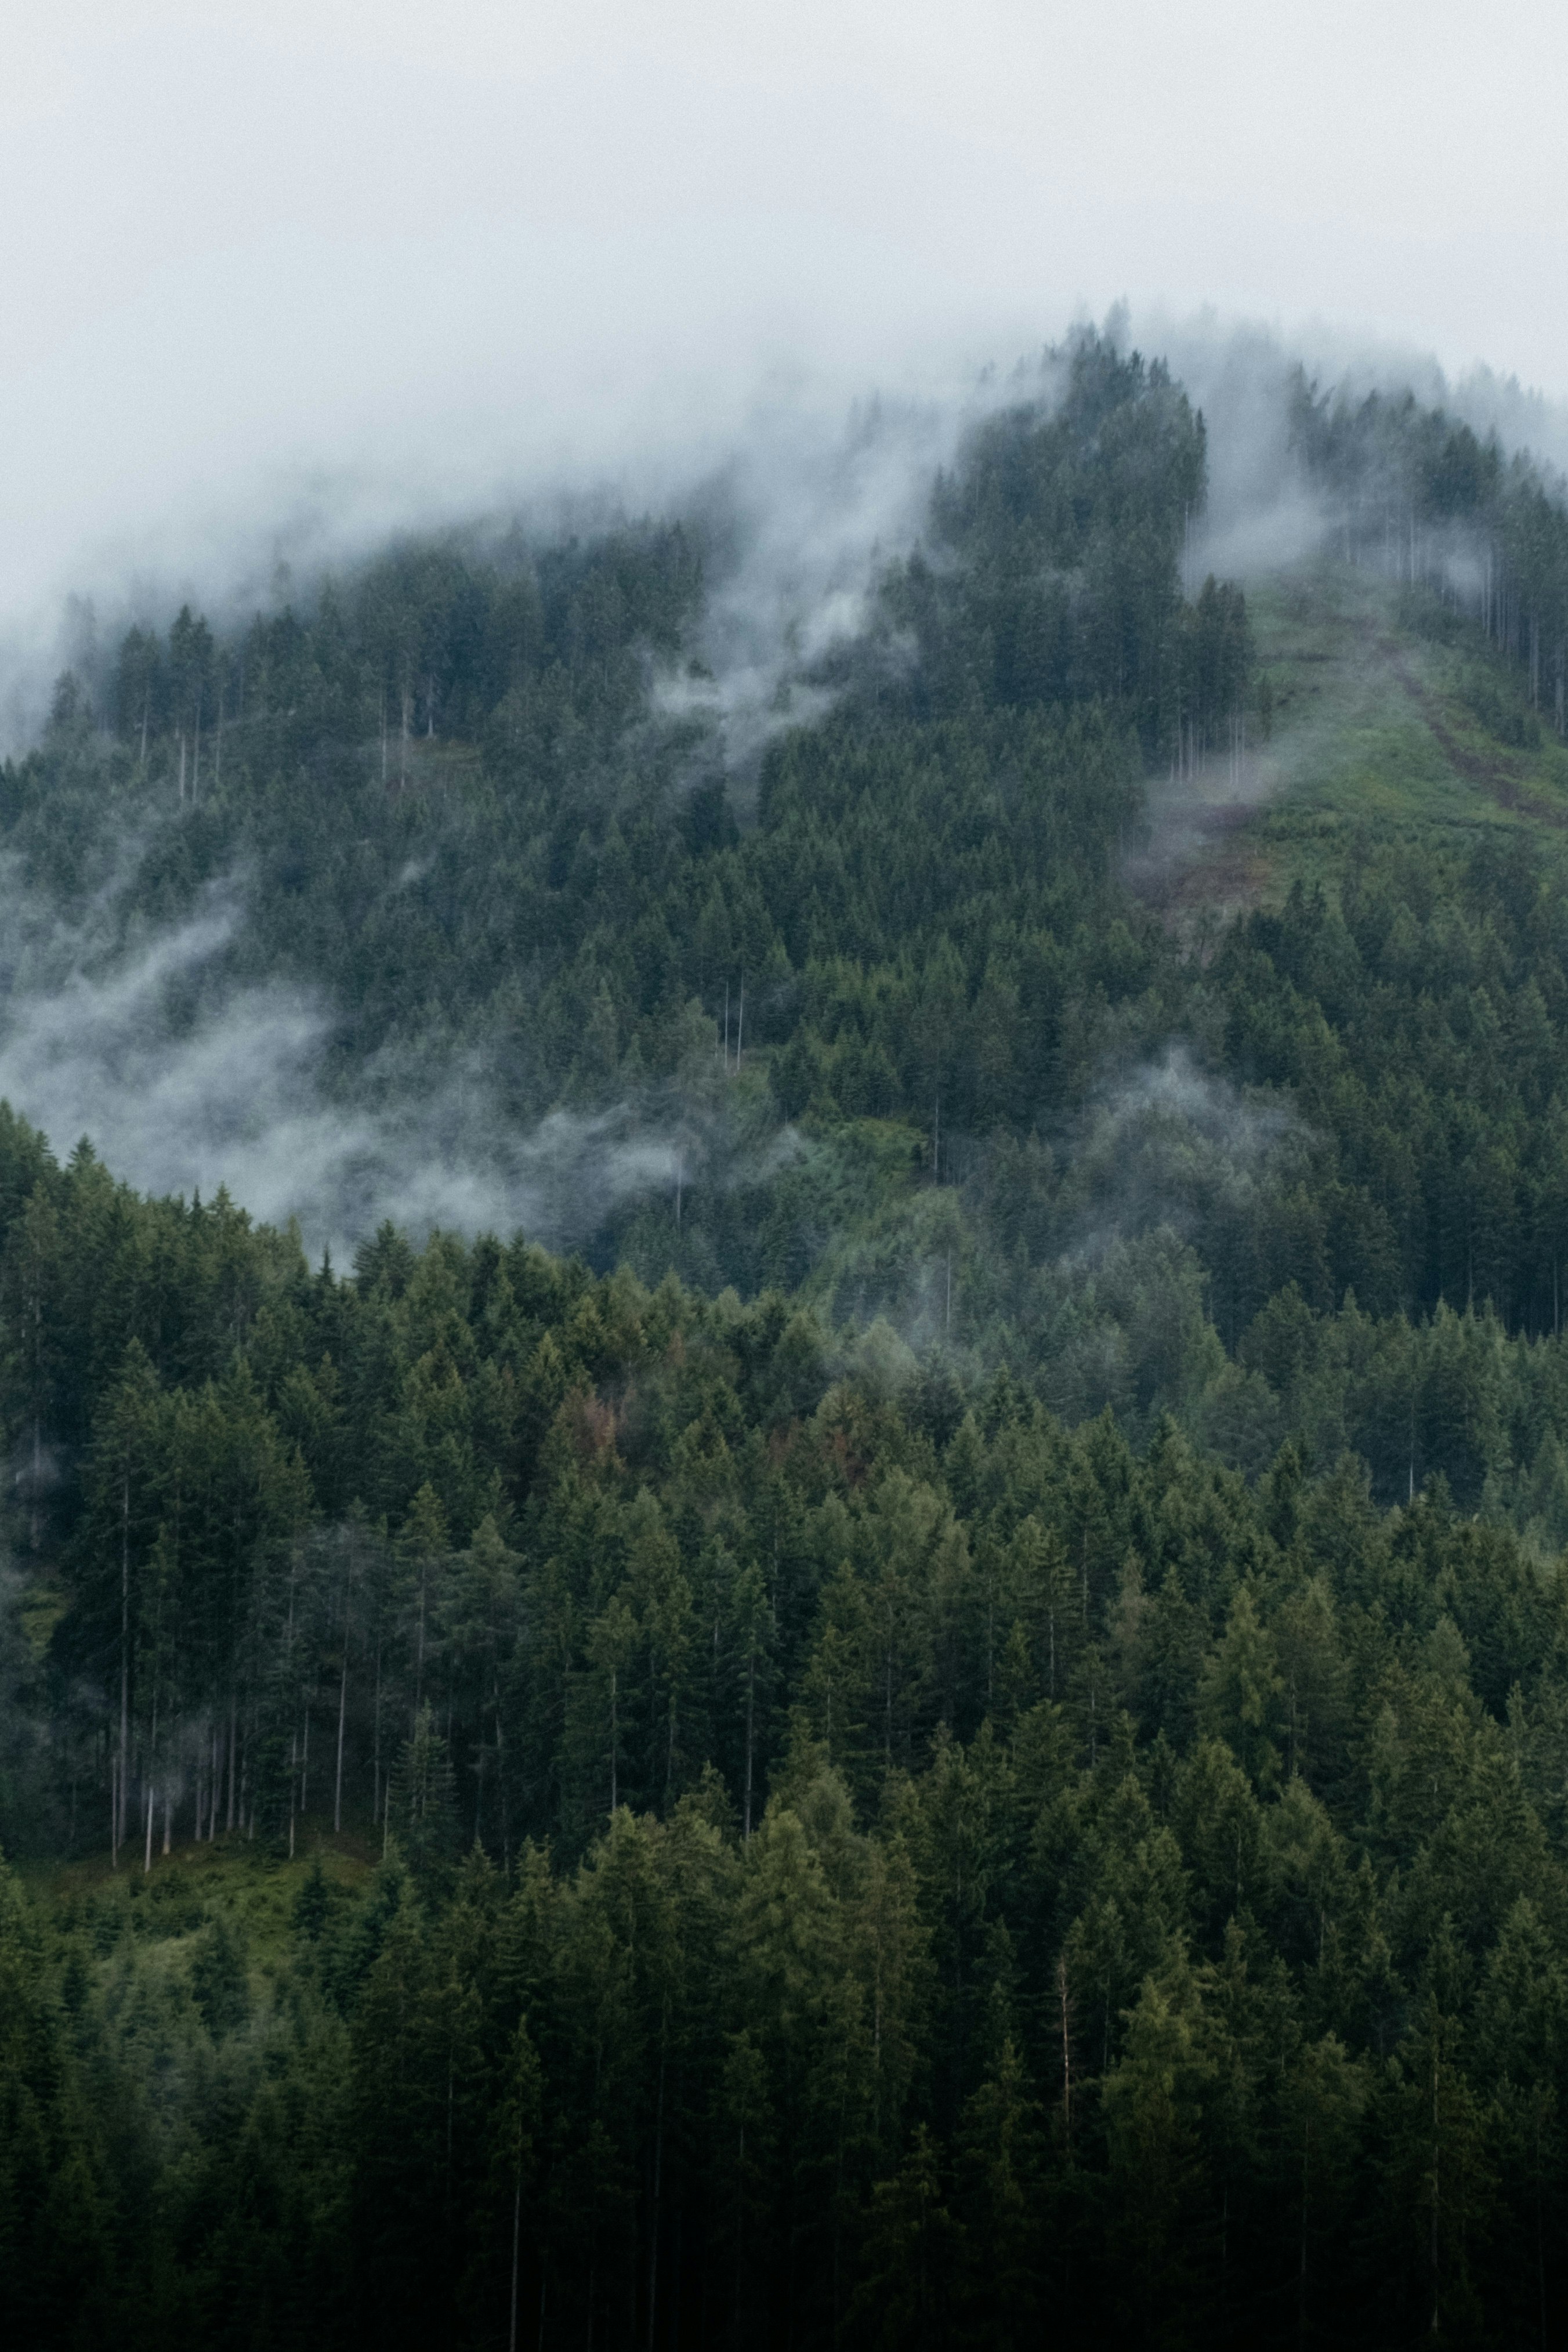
(124, 1656)
(739, 2225)
(750, 1698)
(653, 2224)
(517, 2233)
(501, 1774)
(419, 1662)
(342, 1708)
(1437, 2298)
(1301, 2263)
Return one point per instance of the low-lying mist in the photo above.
(190, 1068)
(183, 1083)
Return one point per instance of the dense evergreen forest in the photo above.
(958, 1726)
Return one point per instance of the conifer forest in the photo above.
(927, 1706)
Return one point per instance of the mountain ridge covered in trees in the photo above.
(959, 1725)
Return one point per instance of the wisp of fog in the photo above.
(186, 1077)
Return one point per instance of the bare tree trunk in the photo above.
(342, 1708)
(376, 1758)
(516, 2231)
(1437, 2184)
(419, 1660)
(501, 1772)
(124, 1655)
(750, 1717)
(655, 2220)
(1302, 2259)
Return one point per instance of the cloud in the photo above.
(185, 1083)
(314, 273)
(810, 506)
(1167, 1145)
(185, 1078)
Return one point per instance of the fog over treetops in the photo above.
(782, 1243)
(594, 650)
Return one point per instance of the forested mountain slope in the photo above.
(960, 1721)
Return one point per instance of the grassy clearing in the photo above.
(1385, 716)
(250, 1885)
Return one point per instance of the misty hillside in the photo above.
(790, 1465)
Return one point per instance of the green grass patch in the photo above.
(1393, 714)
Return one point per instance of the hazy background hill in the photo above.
(789, 1476)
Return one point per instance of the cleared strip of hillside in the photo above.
(1378, 709)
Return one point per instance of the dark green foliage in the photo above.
(1040, 1870)
(218, 1983)
(1418, 494)
(1008, 1766)
(1160, 2001)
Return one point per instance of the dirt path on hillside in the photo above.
(1196, 851)
(1494, 771)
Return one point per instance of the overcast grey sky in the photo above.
(421, 249)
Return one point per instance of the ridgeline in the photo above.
(960, 1721)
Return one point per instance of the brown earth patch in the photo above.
(1204, 858)
(1494, 771)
